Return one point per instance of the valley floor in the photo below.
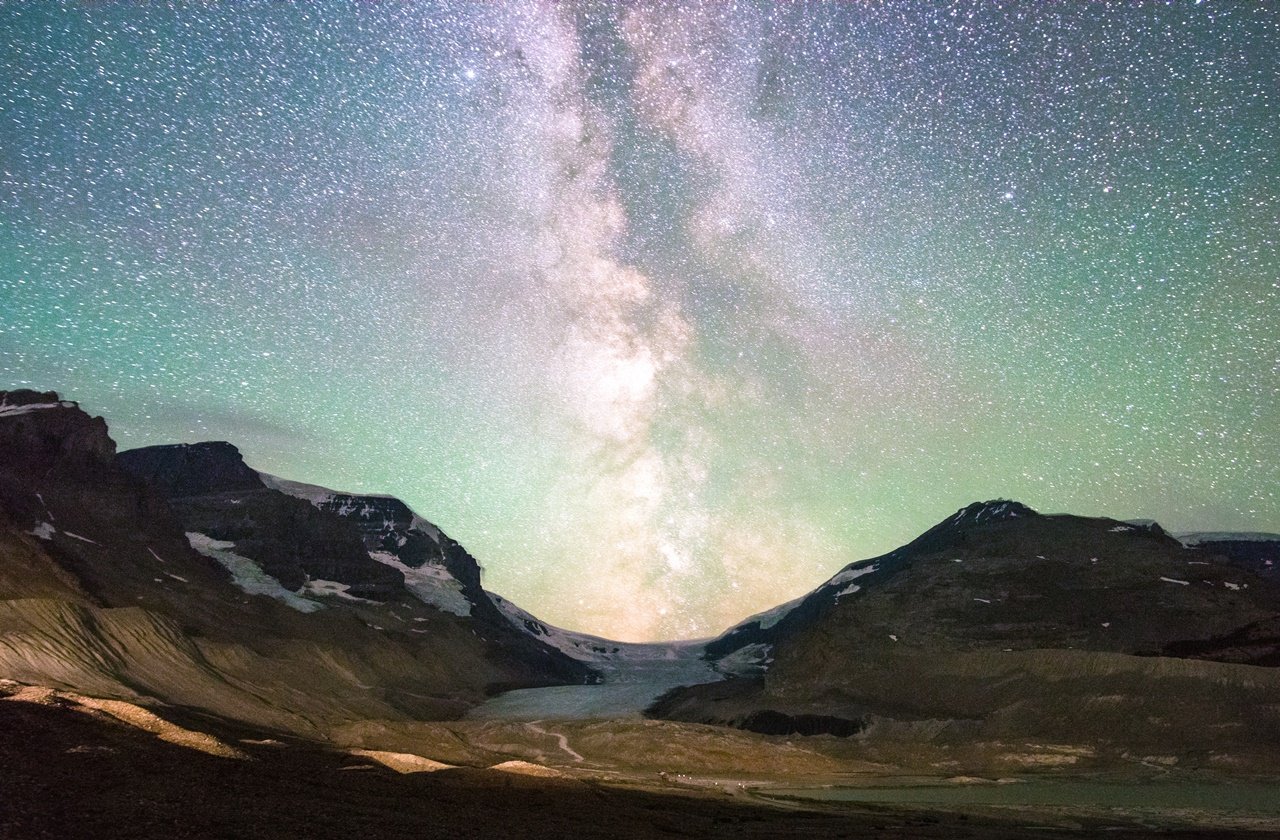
(68, 774)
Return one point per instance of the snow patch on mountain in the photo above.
(580, 646)
(7, 410)
(769, 618)
(846, 579)
(431, 584)
(312, 493)
(997, 509)
(246, 574)
(333, 589)
(420, 524)
(747, 660)
(842, 580)
(598, 651)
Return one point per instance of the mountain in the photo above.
(214, 493)
(178, 576)
(1000, 574)
(1257, 552)
(312, 539)
(1000, 622)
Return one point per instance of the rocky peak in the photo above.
(966, 523)
(38, 431)
(389, 525)
(26, 398)
(191, 469)
(992, 511)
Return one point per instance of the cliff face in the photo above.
(216, 494)
(390, 528)
(198, 469)
(389, 525)
(57, 477)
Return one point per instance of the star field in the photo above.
(665, 311)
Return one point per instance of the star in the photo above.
(665, 311)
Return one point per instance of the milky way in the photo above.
(665, 311)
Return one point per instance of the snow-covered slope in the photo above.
(594, 649)
(439, 572)
(247, 574)
(7, 410)
(430, 583)
(747, 647)
(770, 617)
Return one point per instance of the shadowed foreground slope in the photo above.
(72, 775)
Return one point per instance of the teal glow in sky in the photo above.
(665, 312)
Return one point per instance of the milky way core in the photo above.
(664, 311)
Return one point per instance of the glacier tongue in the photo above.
(635, 675)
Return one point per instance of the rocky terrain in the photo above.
(353, 547)
(97, 776)
(1259, 553)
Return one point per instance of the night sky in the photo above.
(666, 312)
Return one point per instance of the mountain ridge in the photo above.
(103, 591)
(997, 616)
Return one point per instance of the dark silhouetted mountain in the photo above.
(214, 493)
(1000, 574)
(103, 590)
(1003, 622)
(1259, 553)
